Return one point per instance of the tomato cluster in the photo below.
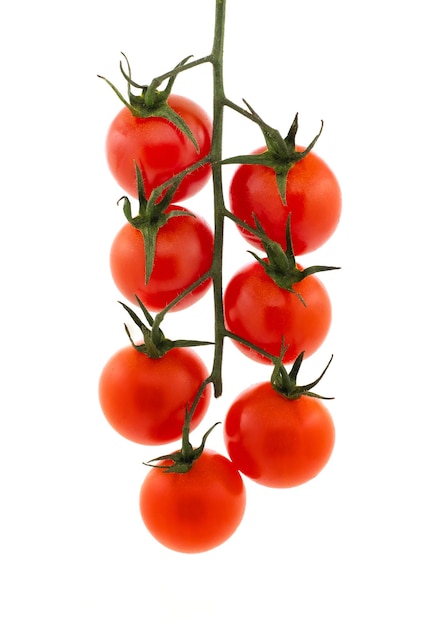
(157, 390)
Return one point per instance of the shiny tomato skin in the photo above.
(313, 199)
(195, 511)
(145, 399)
(275, 441)
(159, 149)
(184, 252)
(264, 314)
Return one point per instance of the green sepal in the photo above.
(151, 102)
(285, 382)
(182, 460)
(155, 345)
(281, 265)
(281, 154)
(152, 215)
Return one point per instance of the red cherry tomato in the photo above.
(313, 199)
(266, 315)
(195, 511)
(184, 252)
(159, 149)
(145, 399)
(275, 441)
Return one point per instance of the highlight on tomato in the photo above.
(279, 434)
(195, 510)
(183, 254)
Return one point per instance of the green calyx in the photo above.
(281, 154)
(152, 102)
(155, 344)
(281, 265)
(285, 382)
(182, 461)
(152, 215)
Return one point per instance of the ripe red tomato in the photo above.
(266, 315)
(145, 399)
(313, 198)
(195, 511)
(275, 441)
(159, 149)
(184, 252)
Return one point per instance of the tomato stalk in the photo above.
(219, 203)
(181, 67)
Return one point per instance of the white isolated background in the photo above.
(353, 546)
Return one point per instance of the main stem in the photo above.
(219, 204)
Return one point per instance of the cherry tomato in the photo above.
(195, 511)
(313, 198)
(275, 441)
(159, 149)
(266, 315)
(145, 399)
(184, 252)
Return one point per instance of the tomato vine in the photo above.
(302, 301)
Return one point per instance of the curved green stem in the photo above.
(177, 70)
(235, 107)
(159, 317)
(172, 183)
(249, 344)
(254, 231)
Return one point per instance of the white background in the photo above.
(353, 546)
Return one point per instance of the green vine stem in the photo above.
(219, 202)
